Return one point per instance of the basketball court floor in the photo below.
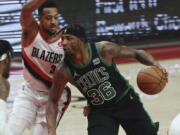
(162, 107)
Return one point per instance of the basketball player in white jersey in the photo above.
(5, 60)
(41, 54)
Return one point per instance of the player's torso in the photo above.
(100, 82)
(41, 57)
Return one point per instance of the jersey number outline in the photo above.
(104, 92)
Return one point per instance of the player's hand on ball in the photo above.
(166, 74)
(152, 79)
(164, 71)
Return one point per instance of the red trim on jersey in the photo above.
(49, 42)
(35, 68)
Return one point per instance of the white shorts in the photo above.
(30, 105)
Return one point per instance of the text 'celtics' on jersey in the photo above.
(100, 82)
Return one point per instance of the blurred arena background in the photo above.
(152, 25)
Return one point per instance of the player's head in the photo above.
(48, 16)
(5, 57)
(74, 36)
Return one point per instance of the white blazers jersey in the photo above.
(40, 61)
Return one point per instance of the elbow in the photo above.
(140, 51)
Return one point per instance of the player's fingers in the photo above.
(166, 74)
(164, 71)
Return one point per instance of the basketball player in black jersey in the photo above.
(91, 68)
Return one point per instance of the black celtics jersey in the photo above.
(100, 82)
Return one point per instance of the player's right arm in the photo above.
(112, 51)
(28, 23)
(60, 79)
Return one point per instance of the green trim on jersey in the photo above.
(112, 64)
(101, 83)
(99, 53)
(67, 70)
(89, 59)
(124, 94)
(127, 82)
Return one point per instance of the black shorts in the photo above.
(128, 112)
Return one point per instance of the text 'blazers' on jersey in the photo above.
(40, 61)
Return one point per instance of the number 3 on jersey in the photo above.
(104, 92)
(53, 68)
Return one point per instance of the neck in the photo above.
(82, 56)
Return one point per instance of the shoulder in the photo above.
(106, 50)
(107, 47)
(103, 45)
(28, 34)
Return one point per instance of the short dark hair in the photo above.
(47, 4)
(76, 30)
(5, 47)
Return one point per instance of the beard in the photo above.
(52, 30)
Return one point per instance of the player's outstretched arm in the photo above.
(28, 23)
(59, 81)
(113, 51)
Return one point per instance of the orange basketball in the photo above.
(151, 80)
